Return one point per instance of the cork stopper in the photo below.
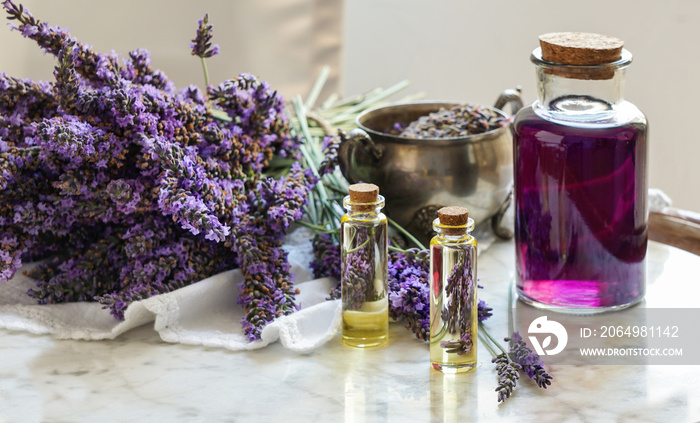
(453, 216)
(581, 49)
(363, 197)
(363, 193)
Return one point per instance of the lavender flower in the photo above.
(326, 260)
(461, 347)
(358, 270)
(460, 288)
(267, 290)
(458, 121)
(529, 361)
(483, 311)
(507, 376)
(201, 44)
(409, 293)
(330, 145)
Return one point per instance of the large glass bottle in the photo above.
(453, 307)
(580, 180)
(363, 273)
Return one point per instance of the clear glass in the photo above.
(453, 307)
(580, 186)
(364, 277)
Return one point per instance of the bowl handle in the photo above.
(346, 151)
(511, 96)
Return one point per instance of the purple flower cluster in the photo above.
(409, 293)
(461, 347)
(359, 269)
(508, 376)
(508, 367)
(330, 145)
(483, 311)
(201, 45)
(326, 256)
(135, 188)
(529, 361)
(460, 289)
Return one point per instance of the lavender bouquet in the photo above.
(129, 187)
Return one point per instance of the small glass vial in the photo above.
(363, 268)
(580, 180)
(453, 307)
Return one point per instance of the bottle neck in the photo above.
(363, 210)
(453, 234)
(579, 93)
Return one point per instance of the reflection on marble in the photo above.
(137, 377)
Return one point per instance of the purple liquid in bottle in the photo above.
(581, 213)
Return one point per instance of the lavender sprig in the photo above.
(509, 363)
(529, 361)
(483, 311)
(201, 44)
(508, 376)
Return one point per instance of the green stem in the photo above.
(483, 330)
(407, 252)
(511, 320)
(406, 234)
(301, 118)
(317, 87)
(317, 228)
(370, 99)
(352, 250)
(487, 344)
(206, 78)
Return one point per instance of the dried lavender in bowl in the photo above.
(458, 121)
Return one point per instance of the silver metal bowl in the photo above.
(419, 176)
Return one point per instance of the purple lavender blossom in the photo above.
(326, 257)
(201, 44)
(330, 145)
(357, 271)
(529, 361)
(267, 290)
(483, 311)
(409, 293)
(460, 290)
(507, 376)
(461, 347)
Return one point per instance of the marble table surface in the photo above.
(139, 378)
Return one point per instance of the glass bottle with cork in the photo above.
(580, 180)
(453, 306)
(364, 273)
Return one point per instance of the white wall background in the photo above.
(284, 42)
(468, 50)
(449, 49)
